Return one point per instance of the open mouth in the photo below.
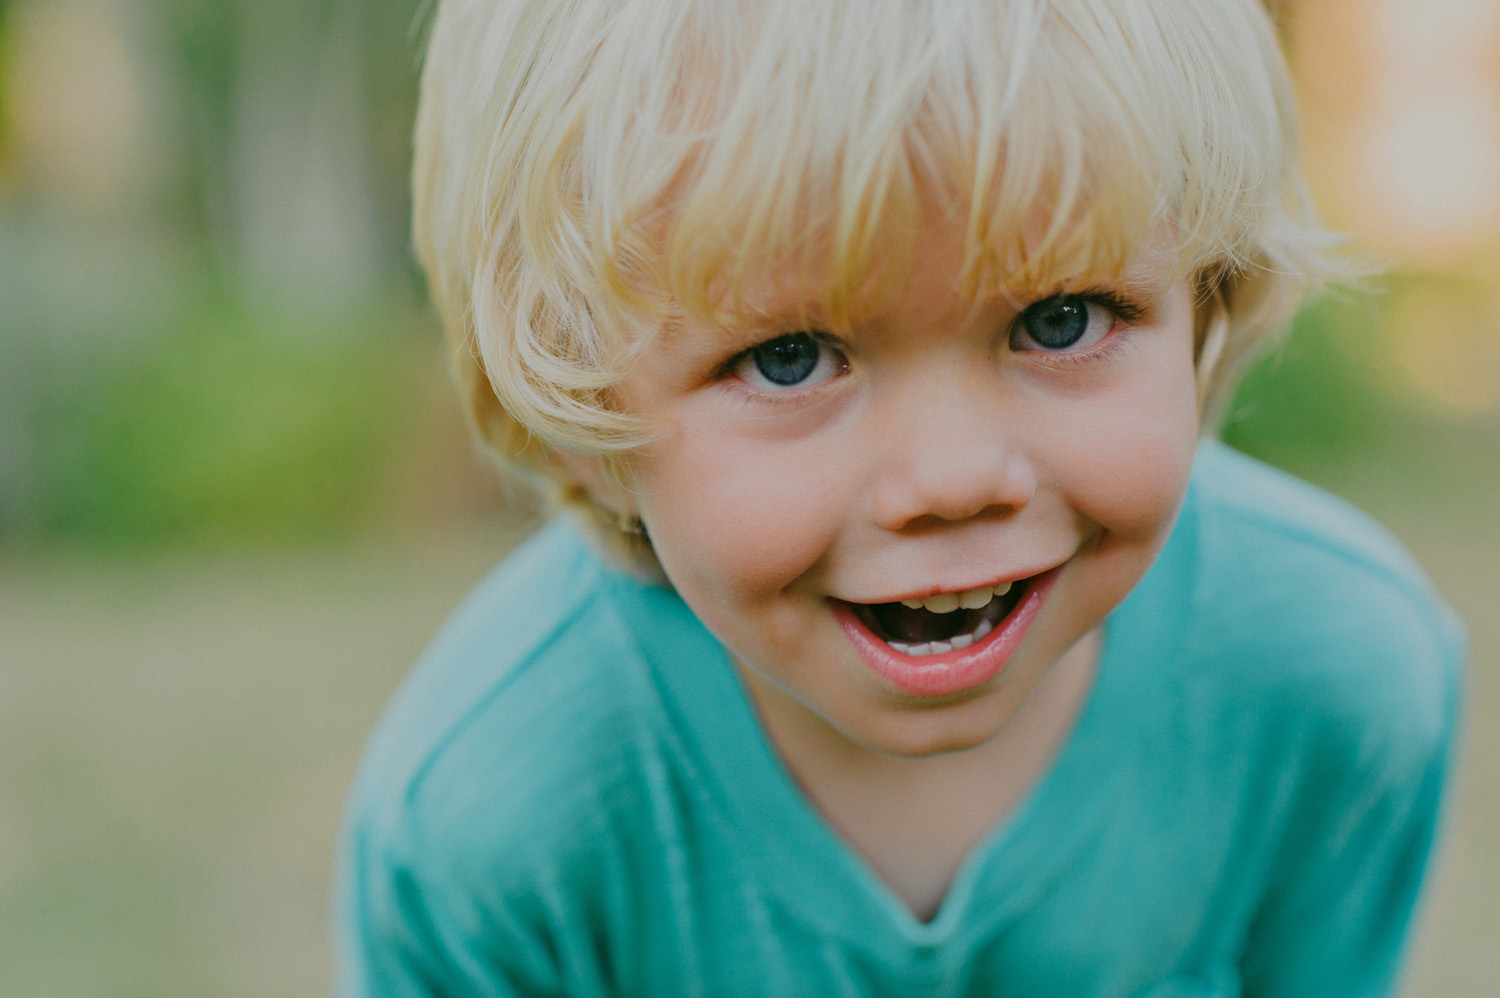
(949, 643)
(943, 622)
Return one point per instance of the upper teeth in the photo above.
(969, 599)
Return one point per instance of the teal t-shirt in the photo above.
(571, 795)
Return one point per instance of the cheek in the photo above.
(737, 519)
(1131, 456)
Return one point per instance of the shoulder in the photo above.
(514, 728)
(1313, 617)
(1257, 501)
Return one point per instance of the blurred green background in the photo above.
(236, 494)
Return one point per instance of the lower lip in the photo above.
(953, 671)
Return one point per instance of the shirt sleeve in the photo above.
(403, 928)
(1339, 905)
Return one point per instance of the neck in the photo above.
(915, 820)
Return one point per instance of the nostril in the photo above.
(931, 495)
(935, 521)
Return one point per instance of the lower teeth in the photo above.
(938, 647)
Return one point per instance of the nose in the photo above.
(949, 455)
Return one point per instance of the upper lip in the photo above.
(934, 590)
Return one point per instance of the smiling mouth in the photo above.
(943, 622)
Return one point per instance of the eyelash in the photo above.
(1126, 312)
(790, 397)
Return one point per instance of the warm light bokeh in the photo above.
(1401, 106)
(76, 103)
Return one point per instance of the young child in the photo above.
(907, 640)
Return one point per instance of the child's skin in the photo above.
(937, 447)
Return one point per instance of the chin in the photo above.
(932, 729)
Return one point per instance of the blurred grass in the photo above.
(177, 735)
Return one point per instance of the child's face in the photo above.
(804, 485)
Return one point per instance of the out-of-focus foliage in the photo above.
(1406, 370)
(227, 426)
(258, 84)
(210, 327)
(1309, 400)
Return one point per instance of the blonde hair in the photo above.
(581, 165)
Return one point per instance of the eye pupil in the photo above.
(1057, 322)
(787, 360)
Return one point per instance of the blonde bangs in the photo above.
(1062, 136)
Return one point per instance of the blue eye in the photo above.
(787, 360)
(1062, 322)
(797, 360)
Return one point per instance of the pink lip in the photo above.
(951, 671)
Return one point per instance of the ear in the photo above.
(606, 483)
